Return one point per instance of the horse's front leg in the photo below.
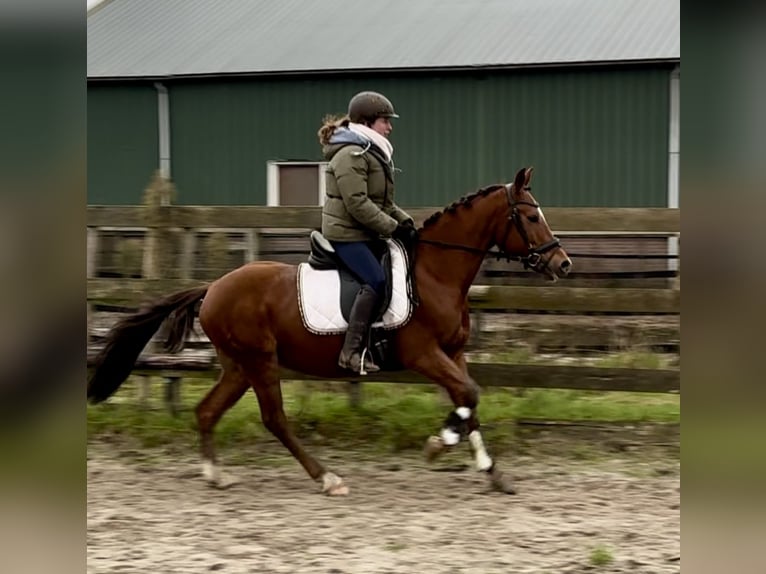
(463, 420)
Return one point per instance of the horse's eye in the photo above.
(533, 218)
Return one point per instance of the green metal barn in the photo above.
(226, 97)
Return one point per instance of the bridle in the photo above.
(533, 259)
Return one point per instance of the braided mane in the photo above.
(466, 200)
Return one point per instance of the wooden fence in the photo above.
(168, 238)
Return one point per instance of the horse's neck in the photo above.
(466, 226)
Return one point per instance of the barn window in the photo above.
(295, 183)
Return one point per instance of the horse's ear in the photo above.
(528, 176)
(520, 180)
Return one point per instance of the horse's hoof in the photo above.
(227, 481)
(500, 482)
(332, 485)
(434, 447)
(222, 482)
(215, 478)
(341, 490)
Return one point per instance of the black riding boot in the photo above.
(362, 311)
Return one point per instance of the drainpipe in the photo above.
(674, 155)
(163, 115)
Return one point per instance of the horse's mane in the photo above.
(466, 200)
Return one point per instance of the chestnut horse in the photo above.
(251, 316)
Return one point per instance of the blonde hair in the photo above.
(331, 123)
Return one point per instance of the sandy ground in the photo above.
(153, 515)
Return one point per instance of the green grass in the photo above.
(391, 417)
(601, 556)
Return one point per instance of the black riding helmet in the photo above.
(366, 107)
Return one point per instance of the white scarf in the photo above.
(371, 135)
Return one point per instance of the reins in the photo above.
(444, 245)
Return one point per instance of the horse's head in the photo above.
(526, 233)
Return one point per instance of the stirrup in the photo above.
(361, 362)
(373, 367)
(360, 365)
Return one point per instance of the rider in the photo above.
(359, 208)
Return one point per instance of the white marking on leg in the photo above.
(483, 460)
(463, 412)
(215, 476)
(450, 437)
(333, 485)
(210, 471)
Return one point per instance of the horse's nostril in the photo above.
(565, 266)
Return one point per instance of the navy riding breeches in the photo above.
(358, 257)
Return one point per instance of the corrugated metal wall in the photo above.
(597, 137)
(122, 142)
(223, 133)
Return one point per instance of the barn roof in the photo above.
(166, 38)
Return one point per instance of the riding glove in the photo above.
(406, 233)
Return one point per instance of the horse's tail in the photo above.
(130, 335)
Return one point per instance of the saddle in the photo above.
(324, 258)
(327, 289)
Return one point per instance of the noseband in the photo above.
(533, 259)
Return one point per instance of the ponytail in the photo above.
(329, 125)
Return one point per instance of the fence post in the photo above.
(186, 263)
(159, 262)
(158, 256)
(478, 321)
(355, 394)
(173, 394)
(144, 391)
(254, 245)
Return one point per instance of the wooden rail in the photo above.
(562, 219)
(486, 374)
(572, 334)
(575, 299)
(131, 292)
(501, 375)
(169, 238)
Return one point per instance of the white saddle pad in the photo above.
(319, 296)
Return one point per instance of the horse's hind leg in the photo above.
(227, 391)
(264, 377)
